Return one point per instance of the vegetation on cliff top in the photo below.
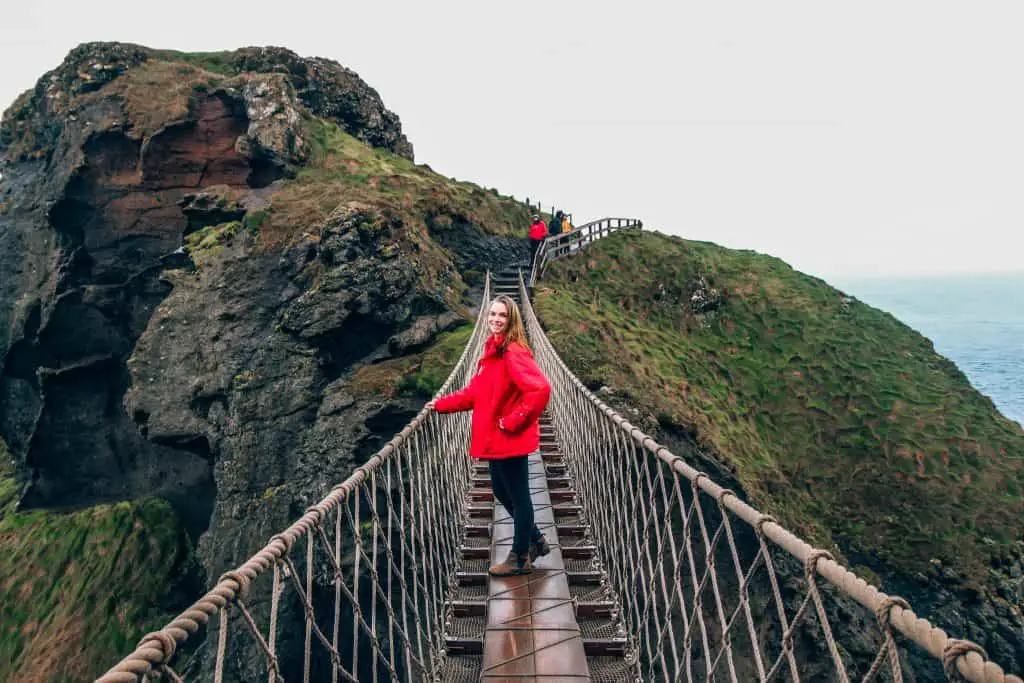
(418, 374)
(78, 590)
(835, 417)
(344, 169)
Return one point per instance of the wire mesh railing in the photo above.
(355, 590)
(564, 244)
(714, 590)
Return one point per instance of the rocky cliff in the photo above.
(216, 270)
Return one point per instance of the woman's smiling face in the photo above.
(497, 318)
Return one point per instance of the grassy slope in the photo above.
(837, 418)
(78, 590)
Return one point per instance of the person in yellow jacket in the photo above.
(566, 227)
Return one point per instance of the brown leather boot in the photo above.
(539, 548)
(514, 565)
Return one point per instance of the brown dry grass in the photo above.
(156, 94)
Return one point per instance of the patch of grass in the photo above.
(254, 220)
(380, 379)
(419, 374)
(838, 419)
(78, 590)
(156, 93)
(212, 236)
(204, 245)
(343, 169)
(431, 368)
(215, 62)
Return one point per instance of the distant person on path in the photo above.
(538, 231)
(507, 396)
(566, 227)
(556, 224)
(555, 228)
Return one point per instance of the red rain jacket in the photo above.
(509, 387)
(538, 230)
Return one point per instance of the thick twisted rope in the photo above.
(610, 459)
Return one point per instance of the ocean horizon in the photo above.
(977, 321)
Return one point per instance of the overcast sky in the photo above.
(872, 138)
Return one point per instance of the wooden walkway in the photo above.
(531, 632)
(559, 624)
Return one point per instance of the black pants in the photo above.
(534, 246)
(510, 481)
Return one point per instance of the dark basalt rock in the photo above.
(139, 358)
(332, 91)
(92, 212)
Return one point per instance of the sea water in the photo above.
(976, 321)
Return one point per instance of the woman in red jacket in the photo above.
(538, 233)
(507, 396)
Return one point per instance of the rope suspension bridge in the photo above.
(657, 573)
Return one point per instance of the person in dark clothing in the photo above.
(556, 224)
(507, 395)
(555, 227)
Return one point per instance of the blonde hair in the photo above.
(515, 331)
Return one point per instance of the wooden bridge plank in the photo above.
(531, 619)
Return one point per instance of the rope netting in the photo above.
(710, 588)
(714, 590)
(355, 590)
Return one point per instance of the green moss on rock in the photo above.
(431, 368)
(836, 418)
(222, 62)
(78, 590)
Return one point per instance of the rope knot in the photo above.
(164, 641)
(953, 651)
(761, 521)
(723, 494)
(811, 565)
(239, 578)
(883, 612)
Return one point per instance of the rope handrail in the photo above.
(592, 430)
(384, 544)
(425, 442)
(562, 244)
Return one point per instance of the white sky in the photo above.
(847, 139)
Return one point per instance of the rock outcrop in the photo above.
(155, 342)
